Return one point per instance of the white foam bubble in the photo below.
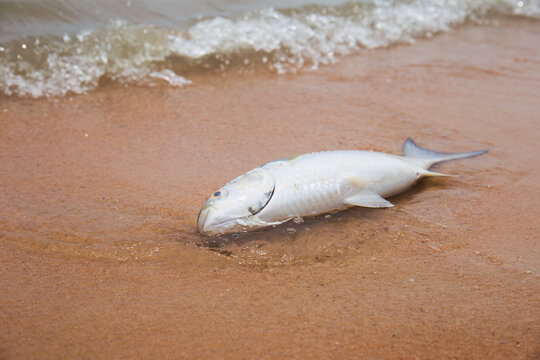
(170, 77)
(282, 40)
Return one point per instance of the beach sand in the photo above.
(99, 251)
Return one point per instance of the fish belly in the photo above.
(318, 183)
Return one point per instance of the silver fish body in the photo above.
(316, 183)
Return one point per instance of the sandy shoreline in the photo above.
(99, 251)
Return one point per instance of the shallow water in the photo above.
(100, 256)
(64, 47)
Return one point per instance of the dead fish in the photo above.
(316, 183)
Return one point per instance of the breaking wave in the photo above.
(281, 40)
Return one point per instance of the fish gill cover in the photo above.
(135, 51)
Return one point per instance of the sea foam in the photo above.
(281, 40)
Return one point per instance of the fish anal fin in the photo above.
(367, 198)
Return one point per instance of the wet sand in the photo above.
(100, 257)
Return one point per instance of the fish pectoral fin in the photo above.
(367, 198)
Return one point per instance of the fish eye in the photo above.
(220, 194)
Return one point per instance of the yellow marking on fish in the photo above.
(357, 182)
(290, 158)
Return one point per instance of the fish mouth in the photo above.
(203, 215)
(208, 226)
(224, 227)
(215, 230)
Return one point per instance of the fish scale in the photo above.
(317, 183)
(339, 169)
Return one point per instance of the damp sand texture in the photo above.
(100, 255)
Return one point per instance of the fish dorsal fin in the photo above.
(367, 198)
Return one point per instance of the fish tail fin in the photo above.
(429, 158)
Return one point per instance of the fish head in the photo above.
(232, 206)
